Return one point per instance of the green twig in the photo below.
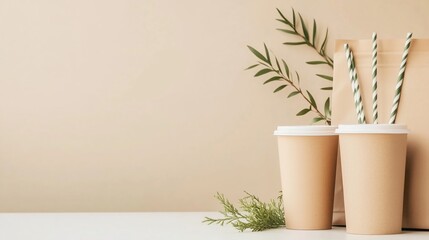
(280, 72)
(270, 65)
(304, 35)
(252, 214)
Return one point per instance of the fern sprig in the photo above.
(252, 214)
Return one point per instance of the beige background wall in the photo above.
(144, 105)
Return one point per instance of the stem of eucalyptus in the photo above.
(270, 65)
(298, 89)
(313, 109)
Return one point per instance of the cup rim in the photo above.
(306, 130)
(372, 129)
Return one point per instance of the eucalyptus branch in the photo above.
(254, 215)
(310, 99)
(284, 74)
(304, 34)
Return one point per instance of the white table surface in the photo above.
(154, 226)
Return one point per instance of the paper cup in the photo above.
(308, 157)
(373, 166)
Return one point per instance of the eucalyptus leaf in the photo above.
(327, 107)
(293, 18)
(329, 78)
(263, 71)
(326, 88)
(288, 31)
(322, 48)
(278, 65)
(304, 28)
(280, 88)
(292, 94)
(295, 43)
(297, 76)
(265, 64)
(257, 54)
(303, 112)
(317, 119)
(250, 67)
(314, 31)
(283, 21)
(313, 102)
(267, 54)
(316, 62)
(284, 18)
(286, 67)
(275, 78)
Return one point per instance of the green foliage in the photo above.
(270, 65)
(252, 214)
(302, 32)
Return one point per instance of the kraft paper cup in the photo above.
(373, 160)
(308, 157)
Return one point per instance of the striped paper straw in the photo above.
(400, 80)
(374, 79)
(355, 84)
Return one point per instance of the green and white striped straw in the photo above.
(400, 80)
(355, 84)
(374, 79)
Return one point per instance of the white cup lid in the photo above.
(310, 130)
(373, 128)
